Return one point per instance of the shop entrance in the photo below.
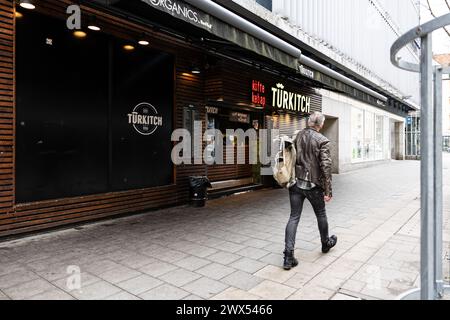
(397, 130)
(240, 172)
(331, 131)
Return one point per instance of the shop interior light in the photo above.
(79, 34)
(27, 4)
(18, 15)
(128, 47)
(93, 25)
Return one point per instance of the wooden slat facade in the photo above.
(7, 115)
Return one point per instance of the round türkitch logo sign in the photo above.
(145, 119)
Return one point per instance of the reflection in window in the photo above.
(357, 134)
(379, 137)
(367, 130)
(190, 115)
(412, 133)
(369, 139)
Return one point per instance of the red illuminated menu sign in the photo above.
(258, 94)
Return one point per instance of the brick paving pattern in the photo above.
(232, 249)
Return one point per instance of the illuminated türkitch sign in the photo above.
(283, 99)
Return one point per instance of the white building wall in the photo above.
(359, 30)
(339, 106)
(355, 33)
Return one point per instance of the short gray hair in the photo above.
(316, 119)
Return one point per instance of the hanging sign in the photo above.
(240, 117)
(212, 110)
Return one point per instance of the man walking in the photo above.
(313, 173)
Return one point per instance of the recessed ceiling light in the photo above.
(27, 4)
(92, 24)
(79, 34)
(94, 28)
(128, 47)
(143, 39)
(196, 70)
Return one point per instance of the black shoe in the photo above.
(330, 243)
(289, 260)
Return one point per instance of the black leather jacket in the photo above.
(314, 159)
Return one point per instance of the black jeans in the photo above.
(297, 197)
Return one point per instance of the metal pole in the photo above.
(431, 158)
(427, 251)
(438, 184)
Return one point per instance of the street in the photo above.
(232, 249)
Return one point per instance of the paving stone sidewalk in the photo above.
(232, 249)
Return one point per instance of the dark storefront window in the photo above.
(62, 137)
(73, 100)
(190, 116)
(412, 134)
(141, 159)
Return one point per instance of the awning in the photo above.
(229, 26)
(201, 18)
(274, 48)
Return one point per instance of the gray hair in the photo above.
(316, 119)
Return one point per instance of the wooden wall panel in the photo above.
(190, 91)
(6, 106)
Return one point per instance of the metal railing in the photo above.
(431, 278)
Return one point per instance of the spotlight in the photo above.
(79, 34)
(94, 28)
(195, 70)
(93, 24)
(27, 4)
(143, 40)
(18, 15)
(128, 47)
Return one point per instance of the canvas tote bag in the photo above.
(284, 168)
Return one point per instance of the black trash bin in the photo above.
(198, 190)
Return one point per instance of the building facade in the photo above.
(88, 114)
(89, 107)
